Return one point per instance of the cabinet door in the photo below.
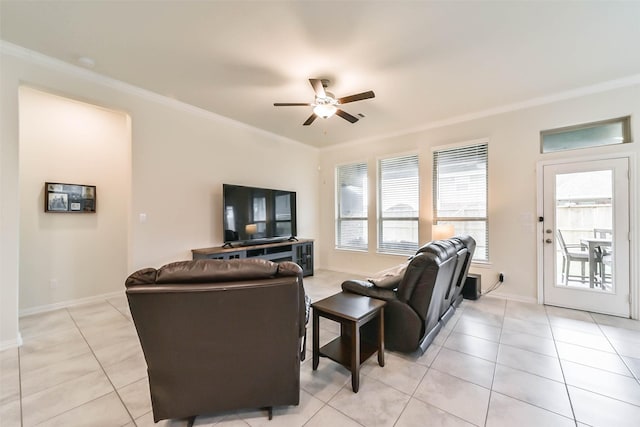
(304, 258)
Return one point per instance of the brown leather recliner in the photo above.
(426, 296)
(219, 335)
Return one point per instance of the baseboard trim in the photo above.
(69, 303)
(512, 297)
(9, 344)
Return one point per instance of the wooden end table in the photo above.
(349, 349)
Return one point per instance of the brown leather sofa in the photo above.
(219, 335)
(426, 297)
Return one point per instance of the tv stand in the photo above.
(299, 251)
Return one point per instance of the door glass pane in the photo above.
(584, 230)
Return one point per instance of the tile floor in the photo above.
(497, 363)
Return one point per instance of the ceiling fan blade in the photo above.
(291, 104)
(348, 117)
(310, 120)
(357, 97)
(318, 88)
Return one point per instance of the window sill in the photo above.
(481, 264)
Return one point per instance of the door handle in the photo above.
(548, 241)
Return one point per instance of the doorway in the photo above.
(586, 235)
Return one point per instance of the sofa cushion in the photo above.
(145, 276)
(389, 278)
(215, 270)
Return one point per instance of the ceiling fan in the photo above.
(326, 104)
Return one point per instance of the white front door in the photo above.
(586, 235)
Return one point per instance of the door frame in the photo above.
(634, 269)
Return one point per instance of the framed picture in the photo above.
(76, 198)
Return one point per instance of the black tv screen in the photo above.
(257, 215)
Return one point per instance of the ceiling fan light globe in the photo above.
(324, 110)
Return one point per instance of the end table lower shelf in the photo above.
(351, 311)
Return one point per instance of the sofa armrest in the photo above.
(362, 287)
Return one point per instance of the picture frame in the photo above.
(69, 198)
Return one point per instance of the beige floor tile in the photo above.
(97, 314)
(420, 414)
(120, 302)
(626, 348)
(505, 411)
(100, 337)
(147, 421)
(597, 410)
(397, 372)
(442, 337)
(41, 342)
(634, 366)
(9, 376)
(136, 397)
(538, 391)
(479, 330)
(9, 386)
(118, 352)
(52, 355)
(230, 420)
(324, 382)
(597, 342)
(9, 360)
(529, 342)
(375, 404)
(469, 368)
(327, 416)
(57, 373)
(447, 392)
(45, 323)
(10, 414)
(127, 371)
(474, 346)
(54, 401)
(103, 411)
(528, 361)
(618, 333)
(559, 314)
(618, 322)
(526, 311)
(512, 325)
(488, 304)
(284, 416)
(589, 327)
(424, 359)
(602, 382)
(479, 316)
(595, 358)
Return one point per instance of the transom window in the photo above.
(595, 134)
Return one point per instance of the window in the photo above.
(605, 132)
(351, 223)
(460, 193)
(398, 202)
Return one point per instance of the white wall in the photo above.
(514, 140)
(72, 142)
(180, 157)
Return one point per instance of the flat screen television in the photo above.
(254, 215)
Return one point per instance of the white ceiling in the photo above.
(426, 61)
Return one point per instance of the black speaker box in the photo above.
(472, 288)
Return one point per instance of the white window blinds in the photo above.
(398, 204)
(351, 222)
(460, 193)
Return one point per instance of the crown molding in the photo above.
(75, 71)
(516, 106)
